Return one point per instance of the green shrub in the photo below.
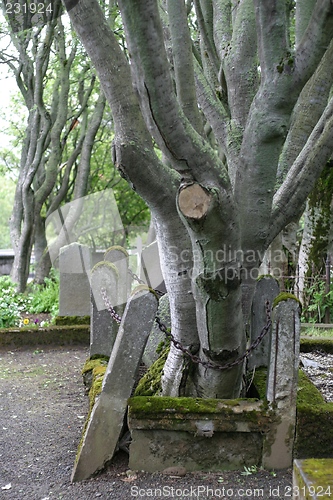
(45, 298)
(12, 304)
(37, 299)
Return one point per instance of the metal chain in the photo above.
(142, 282)
(210, 364)
(109, 307)
(187, 352)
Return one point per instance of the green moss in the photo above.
(96, 388)
(51, 335)
(72, 320)
(307, 393)
(98, 368)
(314, 424)
(259, 381)
(94, 362)
(157, 404)
(144, 287)
(310, 345)
(117, 247)
(284, 296)
(109, 265)
(266, 276)
(150, 384)
(318, 473)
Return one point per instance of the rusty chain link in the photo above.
(142, 282)
(195, 359)
(210, 364)
(109, 307)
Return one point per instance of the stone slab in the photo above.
(74, 290)
(156, 336)
(107, 417)
(198, 434)
(103, 329)
(282, 381)
(267, 288)
(224, 451)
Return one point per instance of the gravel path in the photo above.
(42, 410)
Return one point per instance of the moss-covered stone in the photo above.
(92, 369)
(52, 335)
(314, 422)
(150, 384)
(72, 320)
(94, 362)
(314, 476)
(285, 296)
(156, 404)
(310, 345)
(118, 248)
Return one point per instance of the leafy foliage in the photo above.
(317, 301)
(37, 299)
(12, 304)
(45, 298)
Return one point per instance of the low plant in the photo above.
(45, 298)
(37, 299)
(317, 301)
(12, 304)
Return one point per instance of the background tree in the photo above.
(66, 124)
(216, 209)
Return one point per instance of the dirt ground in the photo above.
(42, 410)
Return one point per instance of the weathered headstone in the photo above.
(151, 268)
(103, 329)
(107, 417)
(267, 289)
(156, 337)
(74, 268)
(118, 256)
(282, 380)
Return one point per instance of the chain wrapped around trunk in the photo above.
(186, 351)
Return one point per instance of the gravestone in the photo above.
(267, 288)
(74, 268)
(103, 329)
(156, 337)
(151, 268)
(107, 417)
(282, 381)
(118, 256)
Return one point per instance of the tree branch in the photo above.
(315, 40)
(144, 33)
(132, 144)
(308, 110)
(240, 64)
(306, 169)
(183, 62)
(273, 39)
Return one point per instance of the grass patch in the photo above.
(317, 332)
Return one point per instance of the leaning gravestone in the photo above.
(156, 337)
(103, 329)
(267, 289)
(107, 417)
(282, 381)
(74, 268)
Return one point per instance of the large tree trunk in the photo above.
(204, 203)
